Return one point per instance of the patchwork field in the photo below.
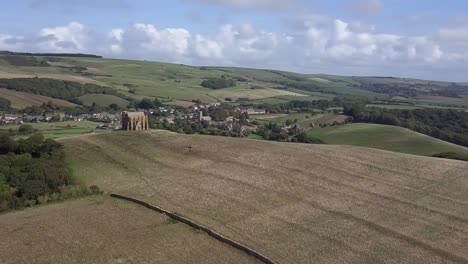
(449, 100)
(304, 120)
(385, 137)
(21, 100)
(177, 82)
(251, 94)
(102, 100)
(294, 203)
(61, 129)
(106, 230)
(31, 72)
(394, 106)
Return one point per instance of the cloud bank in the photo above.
(317, 44)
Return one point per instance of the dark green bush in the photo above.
(218, 83)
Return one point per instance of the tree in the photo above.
(32, 189)
(26, 129)
(4, 104)
(55, 118)
(7, 144)
(146, 104)
(218, 83)
(114, 107)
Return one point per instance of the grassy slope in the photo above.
(102, 100)
(181, 82)
(292, 202)
(105, 230)
(153, 79)
(61, 129)
(304, 120)
(21, 100)
(385, 137)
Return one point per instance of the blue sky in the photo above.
(422, 39)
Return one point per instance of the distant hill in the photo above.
(21, 100)
(181, 83)
(79, 55)
(385, 137)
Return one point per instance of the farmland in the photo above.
(294, 203)
(102, 100)
(385, 137)
(21, 100)
(60, 129)
(181, 83)
(305, 120)
(102, 230)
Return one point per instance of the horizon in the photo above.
(419, 40)
(242, 67)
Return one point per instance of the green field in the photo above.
(61, 129)
(394, 106)
(102, 100)
(20, 100)
(384, 137)
(304, 120)
(177, 82)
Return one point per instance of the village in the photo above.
(212, 118)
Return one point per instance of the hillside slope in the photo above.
(294, 203)
(182, 83)
(385, 137)
(21, 99)
(150, 79)
(105, 230)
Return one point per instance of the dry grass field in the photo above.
(31, 73)
(21, 100)
(294, 203)
(106, 230)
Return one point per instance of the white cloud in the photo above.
(144, 41)
(70, 38)
(330, 46)
(6, 43)
(459, 34)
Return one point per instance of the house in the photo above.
(11, 119)
(34, 118)
(292, 130)
(251, 111)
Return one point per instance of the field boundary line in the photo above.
(191, 223)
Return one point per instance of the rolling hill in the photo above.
(294, 203)
(20, 100)
(181, 83)
(385, 137)
(102, 100)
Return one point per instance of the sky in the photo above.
(425, 39)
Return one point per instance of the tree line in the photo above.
(76, 55)
(32, 171)
(218, 83)
(65, 90)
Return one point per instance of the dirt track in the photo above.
(291, 202)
